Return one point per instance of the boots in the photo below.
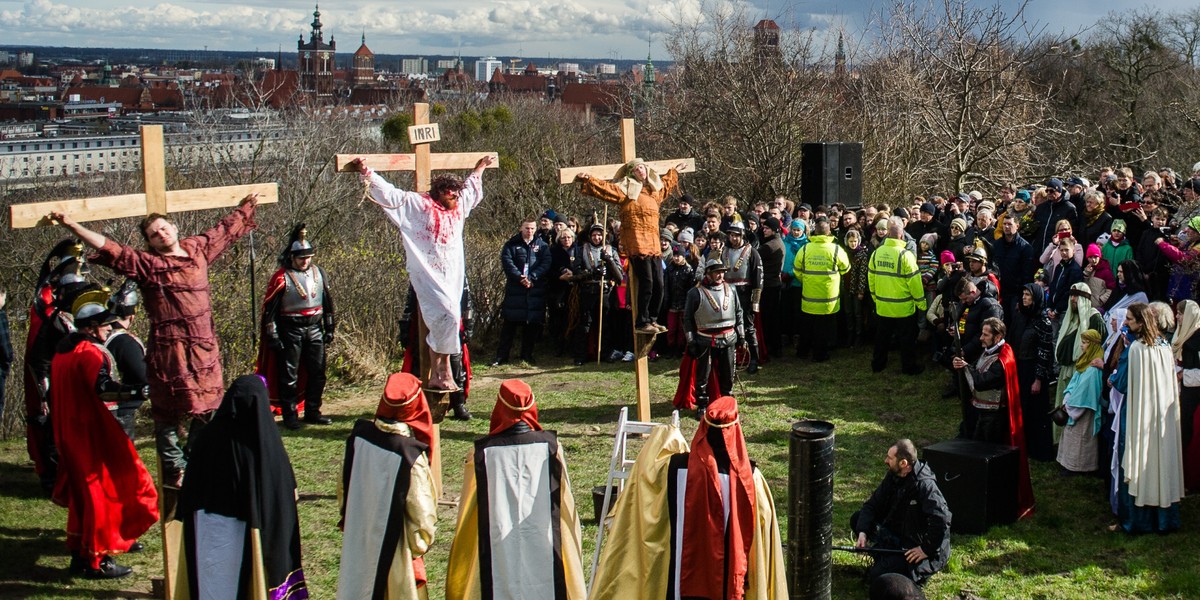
(314, 417)
(109, 569)
(458, 407)
(753, 367)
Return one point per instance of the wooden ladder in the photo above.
(619, 464)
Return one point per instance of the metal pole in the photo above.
(810, 510)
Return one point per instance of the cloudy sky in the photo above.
(617, 29)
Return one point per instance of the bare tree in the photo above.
(955, 76)
(743, 101)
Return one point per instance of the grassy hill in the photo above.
(1064, 551)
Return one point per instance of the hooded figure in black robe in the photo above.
(238, 504)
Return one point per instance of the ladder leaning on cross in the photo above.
(608, 171)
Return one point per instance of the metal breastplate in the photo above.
(718, 308)
(592, 256)
(738, 261)
(116, 333)
(988, 399)
(302, 293)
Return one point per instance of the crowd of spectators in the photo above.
(1061, 263)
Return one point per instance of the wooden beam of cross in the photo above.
(644, 342)
(422, 162)
(154, 199)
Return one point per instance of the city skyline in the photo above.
(577, 28)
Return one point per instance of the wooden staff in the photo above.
(603, 276)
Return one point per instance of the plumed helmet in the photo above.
(298, 245)
(124, 301)
(90, 308)
(979, 253)
(69, 270)
(69, 247)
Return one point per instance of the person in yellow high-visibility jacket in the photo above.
(819, 266)
(895, 284)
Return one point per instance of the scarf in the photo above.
(1189, 322)
(1094, 350)
(630, 185)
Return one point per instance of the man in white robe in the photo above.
(431, 225)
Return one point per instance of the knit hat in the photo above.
(666, 235)
(686, 235)
(1194, 223)
(772, 223)
(881, 225)
(1055, 184)
(976, 194)
(945, 257)
(687, 198)
(900, 212)
(959, 222)
(549, 214)
(1092, 250)
(929, 238)
(1022, 195)
(560, 218)
(1118, 225)
(928, 208)
(986, 204)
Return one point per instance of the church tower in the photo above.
(316, 61)
(363, 73)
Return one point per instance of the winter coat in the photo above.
(532, 260)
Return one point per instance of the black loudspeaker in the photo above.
(831, 172)
(979, 481)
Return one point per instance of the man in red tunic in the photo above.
(108, 493)
(183, 361)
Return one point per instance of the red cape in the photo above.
(267, 364)
(1016, 432)
(1191, 457)
(705, 533)
(110, 498)
(39, 311)
(685, 392)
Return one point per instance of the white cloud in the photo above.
(582, 28)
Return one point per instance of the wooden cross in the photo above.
(155, 199)
(422, 162)
(628, 153)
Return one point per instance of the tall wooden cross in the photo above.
(644, 341)
(422, 162)
(154, 199)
